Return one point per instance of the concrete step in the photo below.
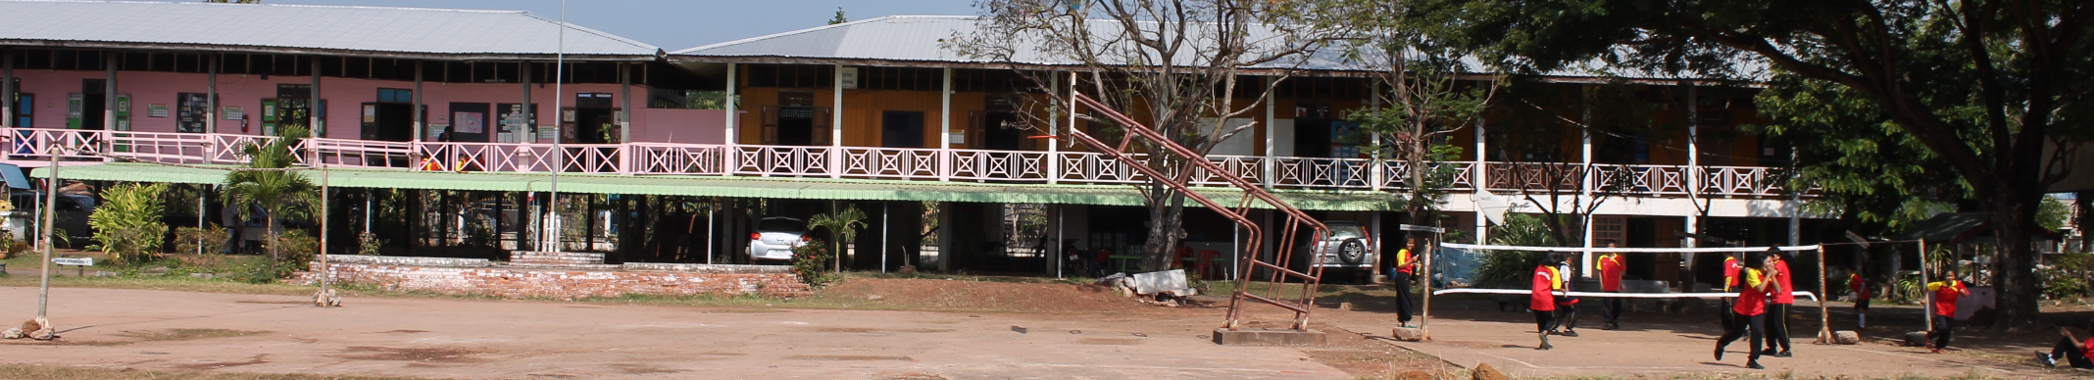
(555, 258)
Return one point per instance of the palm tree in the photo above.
(844, 224)
(278, 193)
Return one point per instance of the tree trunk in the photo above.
(2014, 278)
(269, 226)
(1166, 216)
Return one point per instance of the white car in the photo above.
(775, 238)
(1347, 247)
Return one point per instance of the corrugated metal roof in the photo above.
(916, 38)
(924, 39)
(324, 29)
(737, 187)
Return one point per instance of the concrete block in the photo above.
(1268, 337)
(1916, 339)
(1409, 334)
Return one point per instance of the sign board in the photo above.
(847, 78)
(1431, 229)
(80, 261)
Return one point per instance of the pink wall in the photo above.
(345, 97)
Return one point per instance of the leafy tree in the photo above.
(1865, 168)
(1178, 64)
(839, 19)
(127, 225)
(279, 193)
(1420, 96)
(844, 224)
(1996, 88)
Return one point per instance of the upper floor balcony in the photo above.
(895, 164)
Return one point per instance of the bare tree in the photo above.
(1179, 65)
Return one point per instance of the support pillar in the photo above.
(313, 120)
(625, 110)
(733, 89)
(7, 88)
(211, 94)
(1054, 146)
(1480, 175)
(1267, 169)
(420, 129)
(836, 126)
(523, 76)
(945, 133)
(109, 90)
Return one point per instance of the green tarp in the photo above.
(737, 187)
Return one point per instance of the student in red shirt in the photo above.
(1731, 266)
(1946, 292)
(1611, 268)
(2075, 352)
(1861, 299)
(1750, 311)
(1778, 306)
(1543, 298)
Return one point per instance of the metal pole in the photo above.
(1425, 313)
(559, 128)
(883, 236)
(43, 293)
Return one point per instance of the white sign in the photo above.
(80, 261)
(847, 78)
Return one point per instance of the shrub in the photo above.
(811, 262)
(297, 248)
(127, 225)
(1511, 269)
(2068, 277)
(201, 240)
(368, 243)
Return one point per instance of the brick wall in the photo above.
(479, 277)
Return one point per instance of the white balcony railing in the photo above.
(906, 164)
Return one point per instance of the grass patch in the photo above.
(19, 371)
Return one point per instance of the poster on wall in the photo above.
(470, 122)
(233, 113)
(156, 110)
(191, 110)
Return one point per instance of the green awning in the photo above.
(736, 187)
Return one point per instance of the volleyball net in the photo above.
(1506, 270)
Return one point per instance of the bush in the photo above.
(2068, 277)
(297, 248)
(368, 244)
(208, 241)
(1513, 269)
(127, 225)
(811, 262)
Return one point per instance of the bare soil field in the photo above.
(867, 328)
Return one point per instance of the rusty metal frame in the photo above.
(1180, 182)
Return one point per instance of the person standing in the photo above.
(2075, 352)
(1861, 299)
(1731, 265)
(1946, 292)
(1779, 305)
(1611, 268)
(1406, 263)
(1750, 311)
(1542, 299)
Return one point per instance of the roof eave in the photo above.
(333, 52)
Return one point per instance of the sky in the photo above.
(678, 24)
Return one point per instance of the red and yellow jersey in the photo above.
(1945, 295)
(1861, 287)
(1544, 282)
(1751, 300)
(1785, 296)
(1611, 268)
(1730, 273)
(1405, 262)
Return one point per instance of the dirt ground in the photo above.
(1022, 330)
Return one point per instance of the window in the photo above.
(593, 99)
(395, 95)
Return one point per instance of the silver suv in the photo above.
(1347, 247)
(775, 238)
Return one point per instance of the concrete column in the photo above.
(945, 133)
(1054, 146)
(1481, 177)
(7, 88)
(1266, 168)
(109, 90)
(733, 78)
(313, 120)
(523, 76)
(836, 112)
(1374, 171)
(211, 95)
(1586, 184)
(419, 127)
(1694, 171)
(625, 107)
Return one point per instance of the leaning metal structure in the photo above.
(1279, 274)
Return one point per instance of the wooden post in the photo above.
(1824, 319)
(1425, 313)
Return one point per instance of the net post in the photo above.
(1927, 298)
(1824, 318)
(1425, 313)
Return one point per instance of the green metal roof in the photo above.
(738, 187)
